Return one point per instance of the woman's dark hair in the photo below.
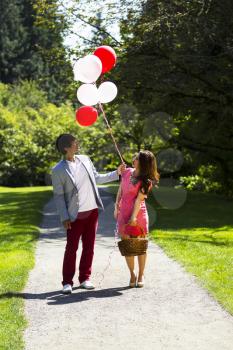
(64, 141)
(148, 173)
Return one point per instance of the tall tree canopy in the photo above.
(179, 60)
(31, 46)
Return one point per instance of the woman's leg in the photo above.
(141, 263)
(130, 262)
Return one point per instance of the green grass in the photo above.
(200, 236)
(20, 214)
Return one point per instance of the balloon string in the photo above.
(109, 260)
(110, 130)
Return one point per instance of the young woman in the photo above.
(130, 204)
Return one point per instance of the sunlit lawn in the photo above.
(20, 214)
(200, 236)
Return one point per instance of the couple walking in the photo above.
(77, 200)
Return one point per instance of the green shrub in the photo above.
(207, 179)
(29, 127)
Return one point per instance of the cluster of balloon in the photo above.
(87, 70)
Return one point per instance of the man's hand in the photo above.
(67, 224)
(121, 168)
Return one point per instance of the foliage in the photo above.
(204, 180)
(178, 59)
(29, 127)
(31, 47)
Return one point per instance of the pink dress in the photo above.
(129, 195)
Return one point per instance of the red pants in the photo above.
(84, 226)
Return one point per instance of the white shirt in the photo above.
(86, 194)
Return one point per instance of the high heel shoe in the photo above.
(133, 284)
(141, 283)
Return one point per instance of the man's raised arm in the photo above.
(108, 177)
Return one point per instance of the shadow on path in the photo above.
(56, 297)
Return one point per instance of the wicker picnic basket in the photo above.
(137, 244)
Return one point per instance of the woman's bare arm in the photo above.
(119, 194)
(117, 204)
(137, 205)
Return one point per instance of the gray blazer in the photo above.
(65, 191)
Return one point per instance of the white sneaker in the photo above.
(87, 285)
(67, 289)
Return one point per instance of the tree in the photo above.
(179, 60)
(31, 46)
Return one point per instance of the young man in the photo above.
(77, 200)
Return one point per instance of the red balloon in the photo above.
(107, 56)
(86, 115)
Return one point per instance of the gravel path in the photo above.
(171, 312)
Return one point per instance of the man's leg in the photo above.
(88, 241)
(69, 262)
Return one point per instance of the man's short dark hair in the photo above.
(63, 141)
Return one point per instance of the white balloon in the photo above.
(88, 94)
(107, 92)
(87, 69)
